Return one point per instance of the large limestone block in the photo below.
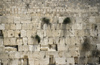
(60, 60)
(2, 26)
(12, 26)
(70, 61)
(29, 33)
(17, 33)
(49, 33)
(14, 62)
(61, 47)
(92, 19)
(50, 40)
(16, 19)
(10, 19)
(31, 61)
(44, 61)
(19, 41)
(23, 33)
(26, 26)
(3, 55)
(11, 33)
(25, 40)
(13, 41)
(61, 19)
(18, 26)
(7, 26)
(31, 40)
(7, 41)
(23, 48)
(14, 54)
(1, 49)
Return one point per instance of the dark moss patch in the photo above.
(38, 38)
(67, 20)
(46, 20)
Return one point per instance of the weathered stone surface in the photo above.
(60, 43)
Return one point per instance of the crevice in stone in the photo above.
(12, 46)
(1, 33)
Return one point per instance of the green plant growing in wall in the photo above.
(86, 46)
(27, 6)
(67, 20)
(38, 38)
(45, 20)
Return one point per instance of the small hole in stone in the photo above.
(19, 35)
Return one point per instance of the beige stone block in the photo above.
(17, 33)
(50, 40)
(13, 41)
(19, 41)
(2, 26)
(29, 33)
(60, 60)
(31, 62)
(10, 19)
(18, 26)
(78, 19)
(14, 62)
(49, 33)
(26, 26)
(5, 33)
(70, 61)
(92, 19)
(11, 33)
(13, 26)
(23, 33)
(3, 55)
(6, 41)
(23, 48)
(16, 19)
(7, 26)
(25, 41)
(29, 26)
(61, 19)
(1, 49)
(40, 33)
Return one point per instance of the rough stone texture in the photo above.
(60, 44)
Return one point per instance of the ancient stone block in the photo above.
(25, 41)
(2, 26)
(19, 41)
(11, 33)
(12, 26)
(23, 33)
(18, 26)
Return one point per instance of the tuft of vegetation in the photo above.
(67, 20)
(86, 46)
(46, 20)
(38, 38)
(27, 6)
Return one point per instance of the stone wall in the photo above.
(25, 39)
